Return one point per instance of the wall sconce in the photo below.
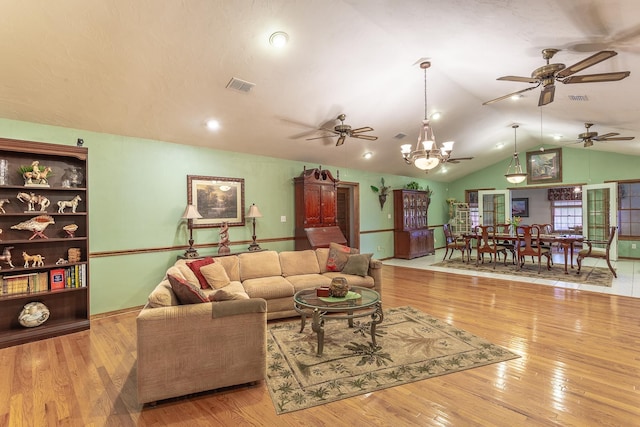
(254, 213)
(191, 213)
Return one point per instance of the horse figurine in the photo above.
(36, 260)
(36, 175)
(6, 256)
(73, 204)
(2, 202)
(31, 200)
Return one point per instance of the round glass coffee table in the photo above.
(359, 302)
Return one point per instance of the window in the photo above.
(629, 209)
(567, 215)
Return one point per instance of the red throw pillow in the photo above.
(196, 265)
(338, 255)
(186, 292)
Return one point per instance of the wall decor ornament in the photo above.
(520, 207)
(33, 314)
(544, 167)
(383, 191)
(219, 200)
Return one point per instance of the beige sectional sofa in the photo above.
(185, 349)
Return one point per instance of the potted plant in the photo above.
(382, 192)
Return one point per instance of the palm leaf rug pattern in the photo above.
(411, 346)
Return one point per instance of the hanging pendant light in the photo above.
(517, 176)
(426, 155)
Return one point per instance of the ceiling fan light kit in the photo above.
(517, 176)
(426, 155)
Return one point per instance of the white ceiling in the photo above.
(158, 69)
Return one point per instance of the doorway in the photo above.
(348, 212)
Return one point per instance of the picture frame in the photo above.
(544, 167)
(520, 207)
(217, 199)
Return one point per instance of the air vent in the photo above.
(400, 135)
(240, 85)
(578, 98)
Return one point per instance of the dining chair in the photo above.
(454, 244)
(509, 245)
(487, 243)
(546, 229)
(528, 244)
(601, 253)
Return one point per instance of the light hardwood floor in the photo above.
(580, 366)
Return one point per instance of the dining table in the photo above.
(565, 241)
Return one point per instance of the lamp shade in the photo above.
(191, 213)
(254, 212)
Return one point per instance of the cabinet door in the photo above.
(312, 205)
(328, 205)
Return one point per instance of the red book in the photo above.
(57, 279)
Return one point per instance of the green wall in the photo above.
(137, 193)
(579, 166)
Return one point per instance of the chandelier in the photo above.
(517, 176)
(426, 155)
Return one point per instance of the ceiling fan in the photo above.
(588, 137)
(343, 131)
(549, 73)
(458, 159)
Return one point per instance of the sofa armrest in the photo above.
(375, 271)
(191, 348)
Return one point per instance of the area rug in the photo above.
(411, 346)
(588, 275)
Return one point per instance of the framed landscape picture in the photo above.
(544, 167)
(520, 207)
(217, 199)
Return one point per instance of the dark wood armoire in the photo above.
(411, 236)
(315, 206)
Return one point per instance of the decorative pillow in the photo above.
(186, 292)
(215, 275)
(338, 255)
(225, 295)
(195, 266)
(357, 265)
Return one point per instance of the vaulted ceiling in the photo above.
(158, 69)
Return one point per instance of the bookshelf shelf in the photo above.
(68, 306)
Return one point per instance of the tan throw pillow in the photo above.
(215, 275)
(186, 292)
(357, 265)
(224, 295)
(195, 266)
(338, 255)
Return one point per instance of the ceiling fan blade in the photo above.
(605, 136)
(340, 140)
(619, 138)
(586, 63)
(546, 96)
(457, 159)
(321, 137)
(601, 77)
(519, 79)
(364, 129)
(367, 137)
(510, 95)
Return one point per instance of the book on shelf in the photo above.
(19, 283)
(56, 279)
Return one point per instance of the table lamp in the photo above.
(191, 213)
(254, 213)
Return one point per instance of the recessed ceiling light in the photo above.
(279, 39)
(436, 115)
(557, 137)
(367, 155)
(516, 97)
(499, 145)
(213, 124)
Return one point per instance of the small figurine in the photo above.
(6, 256)
(33, 314)
(73, 204)
(223, 245)
(61, 261)
(36, 224)
(70, 229)
(2, 202)
(32, 199)
(36, 260)
(35, 175)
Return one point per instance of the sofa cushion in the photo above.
(352, 279)
(186, 292)
(226, 295)
(338, 255)
(357, 264)
(299, 262)
(259, 264)
(162, 296)
(196, 265)
(268, 287)
(231, 266)
(215, 275)
(323, 255)
(183, 271)
(306, 281)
